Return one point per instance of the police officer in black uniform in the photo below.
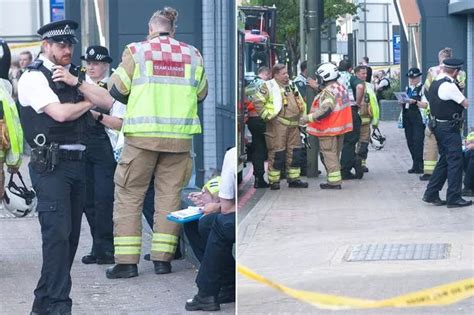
(447, 104)
(55, 117)
(412, 120)
(100, 168)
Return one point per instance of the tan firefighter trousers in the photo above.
(132, 179)
(331, 148)
(284, 151)
(430, 152)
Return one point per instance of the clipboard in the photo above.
(185, 215)
(402, 97)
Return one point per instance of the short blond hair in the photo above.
(164, 18)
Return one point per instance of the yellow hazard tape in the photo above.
(441, 295)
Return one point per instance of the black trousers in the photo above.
(218, 265)
(100, 169)
(198, 232)
(258, 148)
(469, 170)
(449, 165)
(61, 196)
(348, 156)
(414, 134)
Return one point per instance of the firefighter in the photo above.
(11, 133)
(369, 115)
(161, 80)
(430, 146)
(330, 118)
(280, 104)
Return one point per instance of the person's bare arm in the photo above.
(67, 111)
(109, 121)
(360, 91)
(97, 95)
(465, 103)
(227, 205)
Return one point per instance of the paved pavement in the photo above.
(299, 237)
(92, 292)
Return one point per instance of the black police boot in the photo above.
(260, 182)
(365, 168)
(466, 192)
(162, 267)
(460, 203)
(147, 257)
(297, 184)
(275, 186)
(425, 177)
(203, 303)
(329, 186)
(89, 259)
(434, 200)
(226, 294)
(122, 271)
(107, 259)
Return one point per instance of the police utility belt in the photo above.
(456, 122)
(45, 158)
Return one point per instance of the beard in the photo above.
(62, 61)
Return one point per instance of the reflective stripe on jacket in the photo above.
(339, 120)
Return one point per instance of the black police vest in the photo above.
(441, 109)
(415, 94)
(69, 132)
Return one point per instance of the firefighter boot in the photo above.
(329, 186)
(297, 184)
(162, 267)
(275, 186)
(122, 271)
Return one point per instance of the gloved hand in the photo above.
(4, 138)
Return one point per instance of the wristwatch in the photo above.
(100, 117)
(78, 84)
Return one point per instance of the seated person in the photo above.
(468, 189)
(198, 231)
(216, 276)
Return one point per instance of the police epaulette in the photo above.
(102, 84)
(35, 64)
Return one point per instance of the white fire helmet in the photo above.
(377, 139)
(19, 200)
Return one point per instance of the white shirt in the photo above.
(34, 90)
(118, 110)
(448, 91)
(227, 187)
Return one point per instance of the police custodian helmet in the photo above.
(60, 31)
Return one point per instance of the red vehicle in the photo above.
(260, 39)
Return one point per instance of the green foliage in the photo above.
(394, 87)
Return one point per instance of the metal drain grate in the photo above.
(375, 252)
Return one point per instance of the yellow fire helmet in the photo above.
(213, 185)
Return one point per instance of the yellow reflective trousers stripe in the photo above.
(166, 243)
(294, 173)
(128, 240)
(334, 177)
(127, 250)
